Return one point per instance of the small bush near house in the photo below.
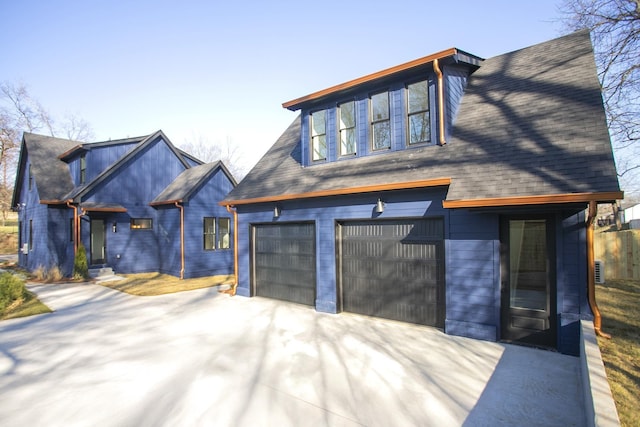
(80, 264)
(39, 273)
(12, 291)
(53, 274)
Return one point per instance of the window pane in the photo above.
(419, 128)
(224, 229)
(347, 115)
(380, 106)
(381, 135)
(141, 223)
(209, 232)
(319, 147)
(418, 96)
(348, 141)
(318, 120)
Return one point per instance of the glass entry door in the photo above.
(98, 241)
(528, 281)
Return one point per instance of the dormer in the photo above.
(400, 108)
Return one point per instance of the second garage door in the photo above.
(284, 261)
(393, 269)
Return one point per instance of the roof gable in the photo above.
(189, 182)
(51, 175)
(156, 137)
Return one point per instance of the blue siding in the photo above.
(455, 83)
(472, 257)
(199, 262)
(473, 275)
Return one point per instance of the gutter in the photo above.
(76, 221)
(234, 286)
(179, 206)
(438, 71)
(591, 286)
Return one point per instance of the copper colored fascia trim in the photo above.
(294, 104)
(437, 182)
(533, 200)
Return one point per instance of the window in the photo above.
(224, 232)
(418, 112)
(30, 234)
(380, 123)
(347, 114)
(30, 178)
(209, 231)
(141, 223)
(71, 227)
(83, 169)
(319, 135)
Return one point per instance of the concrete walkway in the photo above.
(201, 358)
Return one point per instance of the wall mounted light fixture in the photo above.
(276, 212)
(114, 227)
(379, 206)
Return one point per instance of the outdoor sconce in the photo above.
(276, 212)
(379, 206)
(114, 227)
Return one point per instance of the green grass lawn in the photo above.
(29, 307)
(619, 302)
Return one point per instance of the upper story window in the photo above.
(83, 169)
(347, 114)
(419, 121)
(380, 122)
(30, 178)
(319, 135)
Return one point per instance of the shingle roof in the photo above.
(188, 182)
(51, 175)
(531, 123)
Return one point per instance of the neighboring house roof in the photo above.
(83, 147)
(51, 176)
(188, 182)
(530, 129)
(79, 192)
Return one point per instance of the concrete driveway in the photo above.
(201, 358)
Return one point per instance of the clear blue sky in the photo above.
(221, 69)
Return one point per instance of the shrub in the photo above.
(80, 264)
(11, 289)
(53, 274)
(40, 273)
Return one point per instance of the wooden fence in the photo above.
(620, 253)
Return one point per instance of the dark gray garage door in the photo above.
(393, 269)
(284, 261)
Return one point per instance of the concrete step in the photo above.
(101, 273)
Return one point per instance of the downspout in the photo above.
(232, 291)
(75, 227)
(181, 239)
(441, 131)
(591, 285)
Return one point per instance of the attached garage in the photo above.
(393, 269)
(284, 261)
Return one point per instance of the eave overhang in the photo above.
(454, 53)
(436, 182)
(102, 207)
(69, 154)
(603, 197)
(166, 202)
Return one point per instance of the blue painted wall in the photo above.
(198, 261)
(472, 256)
(98, 159)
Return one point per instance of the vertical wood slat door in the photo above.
(393, 269)
(284, 262)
